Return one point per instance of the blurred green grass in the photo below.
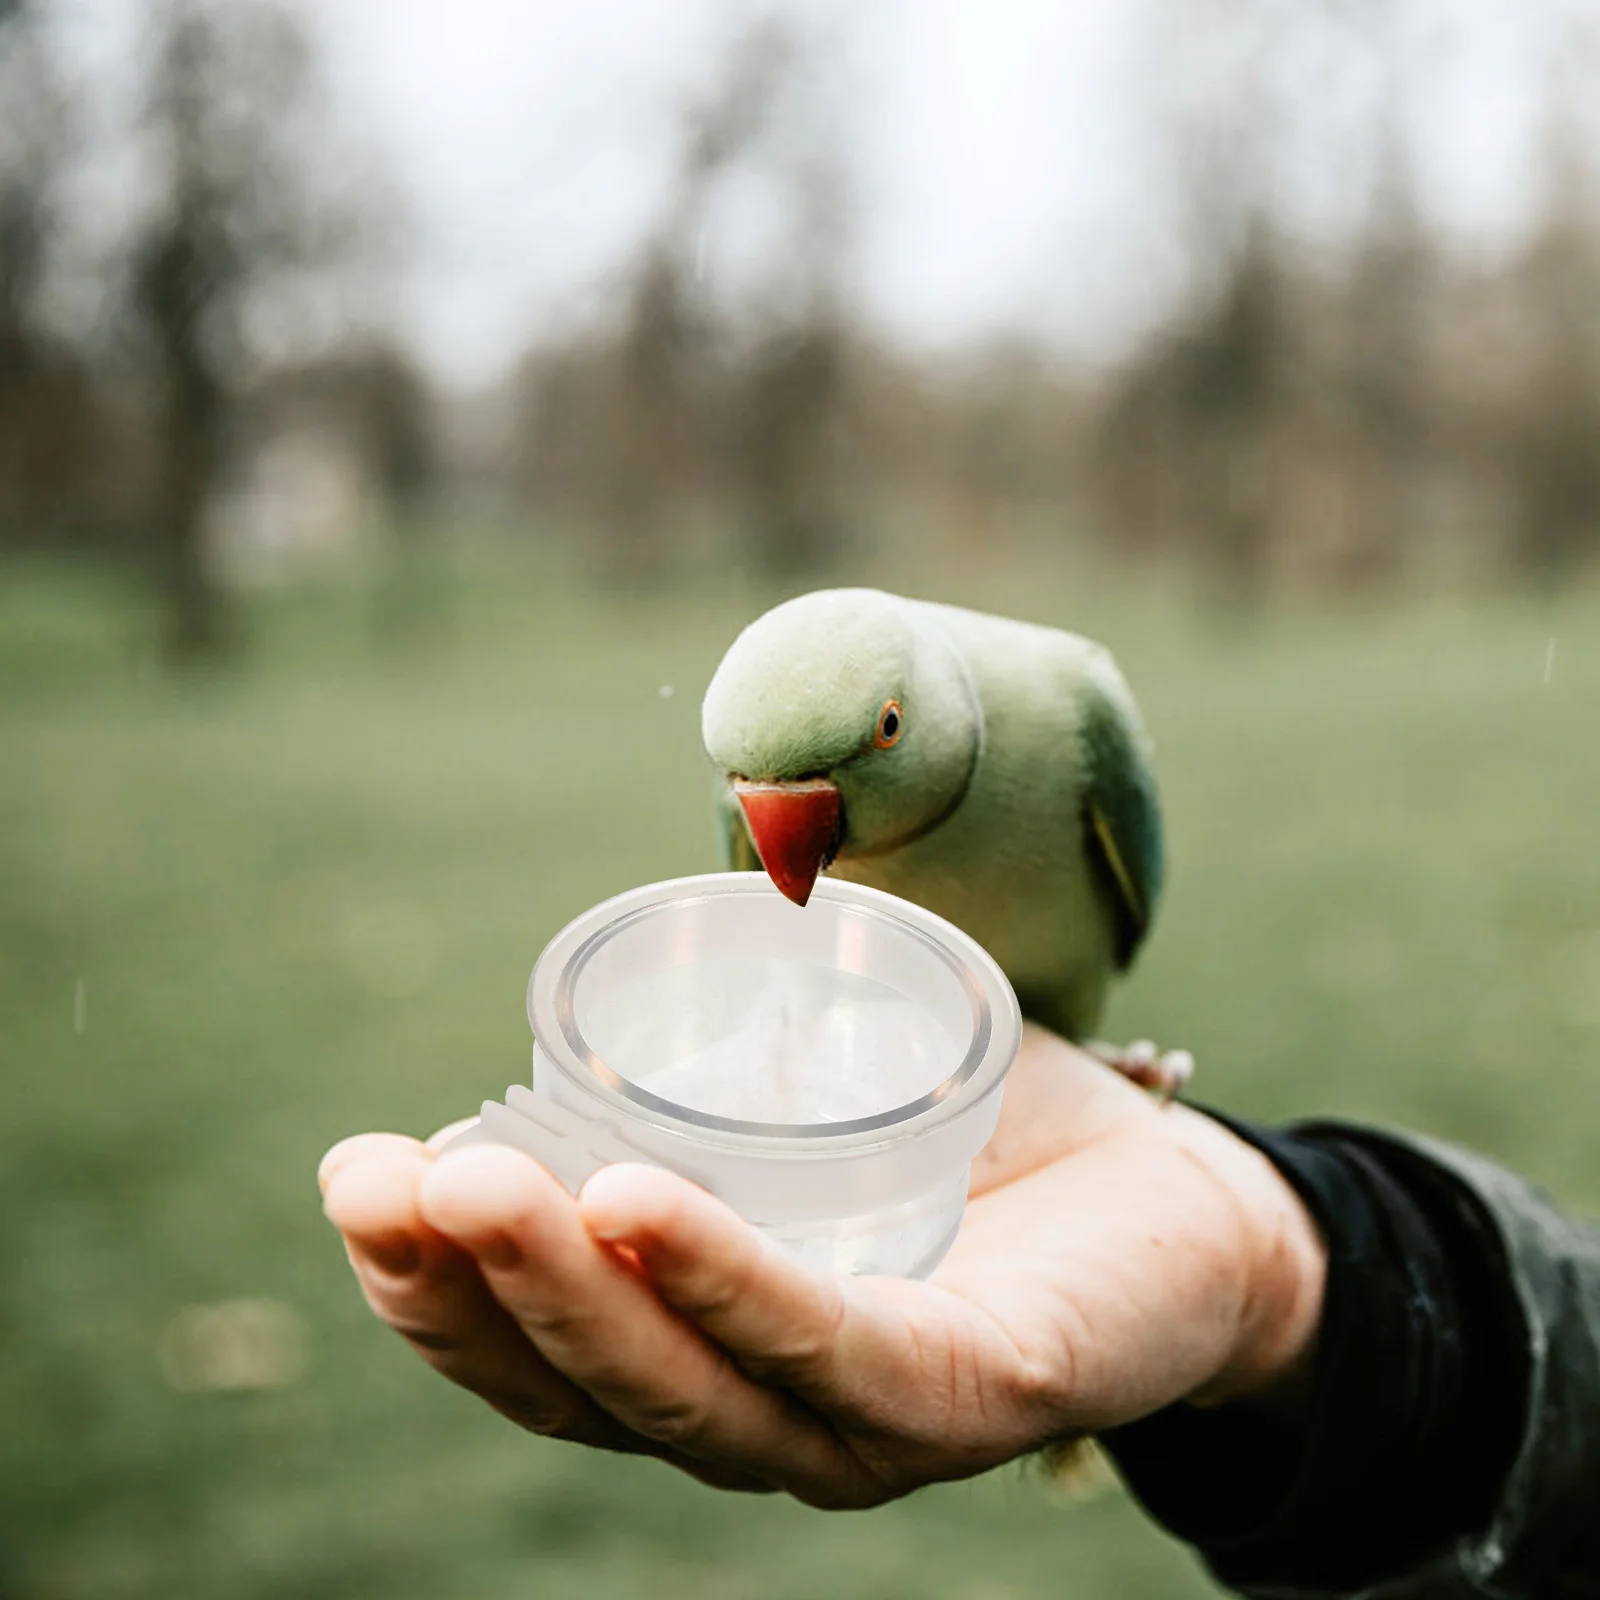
(242, 917)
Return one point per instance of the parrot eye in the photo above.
(891, 722)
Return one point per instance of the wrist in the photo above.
(1280, 1265)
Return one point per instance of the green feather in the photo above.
(1122, 819)
(1019, 801)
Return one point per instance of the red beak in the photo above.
(795, 827)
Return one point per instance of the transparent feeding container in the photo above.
(828, 1071)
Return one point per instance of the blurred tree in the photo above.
(1288, 417)
(34, 140)
(1381, 372)
(49, 409)
(1553, 434)
(1232, 375)
(396, 404)
(1190, 447)
(397, 419)
(785, 445)
(789, 396)
(610, 429)
(1338, 393)
(1192, 432)
(686, 402)
(691, 390)
(372, 392)
(657, 410)
(242, 209)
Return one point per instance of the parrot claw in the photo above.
(1165, 1073)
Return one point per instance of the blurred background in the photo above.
(402, 407)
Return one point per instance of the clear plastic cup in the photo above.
(828, 1071)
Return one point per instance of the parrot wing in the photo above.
(1121, 812)
(738, 850)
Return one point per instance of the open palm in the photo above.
(1115, 1256)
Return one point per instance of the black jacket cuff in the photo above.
(1415, 1403)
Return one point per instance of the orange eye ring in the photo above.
(891, 724)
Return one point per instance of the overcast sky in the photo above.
(1007, 156)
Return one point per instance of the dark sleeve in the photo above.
(1401, 1444)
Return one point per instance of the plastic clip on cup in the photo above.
(828, 1072)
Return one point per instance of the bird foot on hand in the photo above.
(1165, 1073)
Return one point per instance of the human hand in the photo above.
(1115, 1256)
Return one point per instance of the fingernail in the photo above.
(608, 1201)
(397, 1256)
(358, 1146)
(333, 1160)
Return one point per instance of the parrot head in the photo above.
(845, 723)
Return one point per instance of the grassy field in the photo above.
(242, 917)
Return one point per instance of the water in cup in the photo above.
(765, 1039)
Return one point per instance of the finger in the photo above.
(903, 1359)
(431, 1293)
(356, 1148)
(437, 1141)
(597, 1321)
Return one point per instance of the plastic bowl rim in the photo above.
(997, 1022)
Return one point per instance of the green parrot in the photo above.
(996, 772)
